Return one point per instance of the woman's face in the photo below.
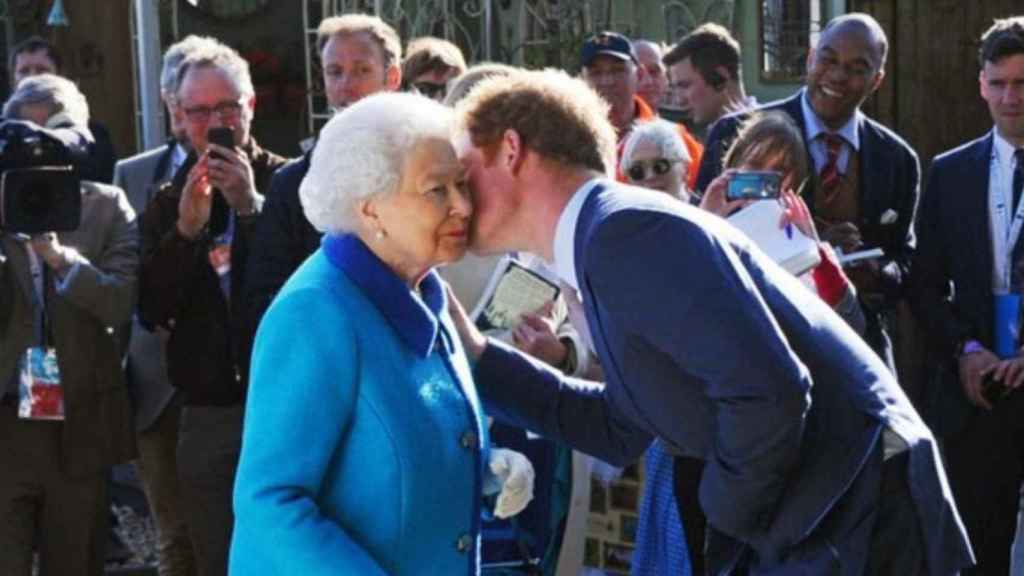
(426, 221)
(649, 168)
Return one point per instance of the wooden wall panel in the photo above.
(96, 49)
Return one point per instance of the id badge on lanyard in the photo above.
(40, 393)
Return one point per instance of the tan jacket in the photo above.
(88, 315)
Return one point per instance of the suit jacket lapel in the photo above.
(17, 255)
(975, 197)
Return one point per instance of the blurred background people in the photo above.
(360, 55)
(612, 69)
(35, 55)
(429, 65)
(706, 68)
(653, 83)
(654, 156)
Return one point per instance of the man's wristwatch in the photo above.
(970, 347)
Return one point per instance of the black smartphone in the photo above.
(219, 210)
(221, 136)
(993, 390)
(754, 185)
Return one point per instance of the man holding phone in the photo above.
(195, 237)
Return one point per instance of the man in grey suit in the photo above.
(68, 295)
(157, 408)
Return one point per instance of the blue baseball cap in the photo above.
(608, 44)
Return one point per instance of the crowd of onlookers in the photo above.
(152, 305)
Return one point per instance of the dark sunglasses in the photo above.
(430, 89)
(641, 169)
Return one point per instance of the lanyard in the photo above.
(1005, 233)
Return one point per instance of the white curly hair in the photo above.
(662, 134)
(361, 153)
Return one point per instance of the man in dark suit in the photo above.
(285, 237)
(969, 251)
(809, 441)
(865, 195)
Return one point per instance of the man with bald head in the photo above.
(867, 179)
(653, 83)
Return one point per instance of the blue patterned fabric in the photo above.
(660, 545)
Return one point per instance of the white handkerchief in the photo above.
(889, 216)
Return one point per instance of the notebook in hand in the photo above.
(787, 246)
(513, 290)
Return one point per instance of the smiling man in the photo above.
(867, 185)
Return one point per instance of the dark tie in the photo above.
(1018, 176)
(829, 175)
(1017, 256)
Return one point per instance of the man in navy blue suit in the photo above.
(969, 251)
(867, 179)
(810, 445)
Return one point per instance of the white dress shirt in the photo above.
(1004, 228)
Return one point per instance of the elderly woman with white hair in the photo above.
(654, 156)
(365, 450)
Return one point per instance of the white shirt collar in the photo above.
(178, 156)
(814, 126)
(1002, 149)
(565, 233)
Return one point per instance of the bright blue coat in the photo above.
(364, 442)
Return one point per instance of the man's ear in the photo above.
(877, 80)
(393, 77)
(512, 154)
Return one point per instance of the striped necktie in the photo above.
(829, 175)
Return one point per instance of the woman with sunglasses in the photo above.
(654, 156)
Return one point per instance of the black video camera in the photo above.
(40, 181)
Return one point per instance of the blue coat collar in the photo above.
(414, 317)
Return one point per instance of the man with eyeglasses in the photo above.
(611, 68)
(868, 179)
(429, 64)
(195, 236)
(156, 404)
(360, 55)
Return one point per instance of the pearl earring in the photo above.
(379, 235)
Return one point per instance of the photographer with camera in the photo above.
(68, 263)
(195, 237)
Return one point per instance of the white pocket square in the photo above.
(889, 216)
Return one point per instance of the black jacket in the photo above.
(284, 239)
(206, 354)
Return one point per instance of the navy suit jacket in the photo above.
(890, 177)
(951, 283)
(709, 345)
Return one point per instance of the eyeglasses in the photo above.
(226, 110)
(644, 169)
(430, 89)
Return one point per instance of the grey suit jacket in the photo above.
(141, 176)
(88, 315)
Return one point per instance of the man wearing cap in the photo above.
(611, 68)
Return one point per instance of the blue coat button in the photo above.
(468, 440)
